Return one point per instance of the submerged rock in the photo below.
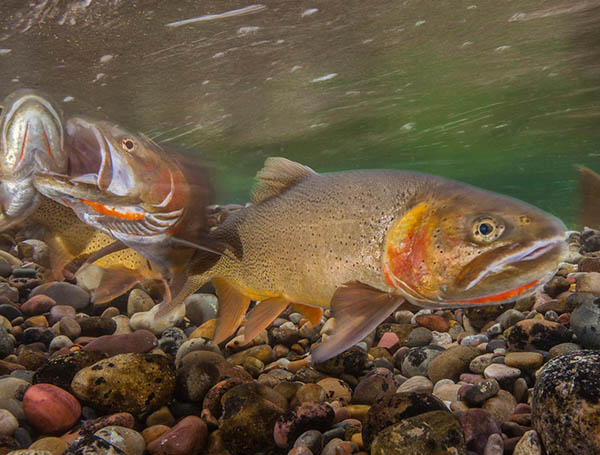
(566, 404)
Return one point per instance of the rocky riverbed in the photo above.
(83, 379)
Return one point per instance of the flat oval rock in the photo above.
(64, 293)
(140, 341)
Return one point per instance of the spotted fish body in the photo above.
(362, 242)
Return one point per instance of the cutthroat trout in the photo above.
(589, 187)
(31, 139)
(362, 242)
(127, 186)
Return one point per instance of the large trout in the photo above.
(361, 242)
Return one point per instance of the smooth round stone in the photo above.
(585, 323)
(188, 437)
(59, 342)
(566, 404)
(61, 370)
(336, 390)
(494, 445)
(310, 392)
(151, 433)
(435, 432)
(446, 390)
(123, 326)
(12, 388)
(64, 293)
(50, 409)
(451, 363)
(311, 439)
(420, 384)
(59, 312)
(10, 312)
(10, 292)
(161, 416)
(433, 322)
(501, 406)
(529, 444)
(95, 326)
(140, 341)
(419, 336)
(562, 349)
(524, 360)
(148, 320)
(196, 344)
(395, 408)
(308, 415)
(135, 383)
(8, 423)
(138, 301)
(351, 361)
(589, 282)
(509, 318)
(69, 327)
(38, 304)
(474, 340)
(501, 373)
(200, 308)
(37, 334)
(51, 444)
(480, 363)
(440, 338)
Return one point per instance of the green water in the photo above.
(501, 94)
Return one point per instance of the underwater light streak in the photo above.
(211, 17)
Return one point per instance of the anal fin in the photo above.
(310, 312)
(357, 309)
(232, 307)
(115, 281)
(262, 315)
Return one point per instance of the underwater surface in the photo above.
(504, 95)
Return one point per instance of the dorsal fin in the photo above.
(277, 175)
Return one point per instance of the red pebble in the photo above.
(433, 322)
(50, 409)
(390, 341)
(185, 438)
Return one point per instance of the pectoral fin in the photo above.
(115, 281)
(232, 307)
(312, 313)
(262, 315)
(357, 309)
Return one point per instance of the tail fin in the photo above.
(589, 187)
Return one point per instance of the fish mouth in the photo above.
(95, 162)
(31, 135)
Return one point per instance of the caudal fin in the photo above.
(589, 187)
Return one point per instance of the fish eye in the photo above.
(487, 229)
(128, 144)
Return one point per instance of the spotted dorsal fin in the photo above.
(276, 176)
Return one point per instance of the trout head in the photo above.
(118, 182)
(460, 246)
(31, 140)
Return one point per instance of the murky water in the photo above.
(501, 94)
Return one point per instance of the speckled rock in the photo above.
(61, 370)
(501, 406)
(529, 444)
(336, 390)
(7, 343)
(394, 408)
(138, 301)
(135, 383)
(566, 404)
(305, 416)
(532, 334)
(188, 437)
(376, 383)
(478, 393)
(110, 440)
(585, 323)
(478, 425)
(140, 341)
(64, 293)
(432, 433)
(96, 326)
(250, 411)
(50, 409)
(212, 400)
(417, 360)
(54, 445)
(352, 361)
(196, 376)
(451, 363)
